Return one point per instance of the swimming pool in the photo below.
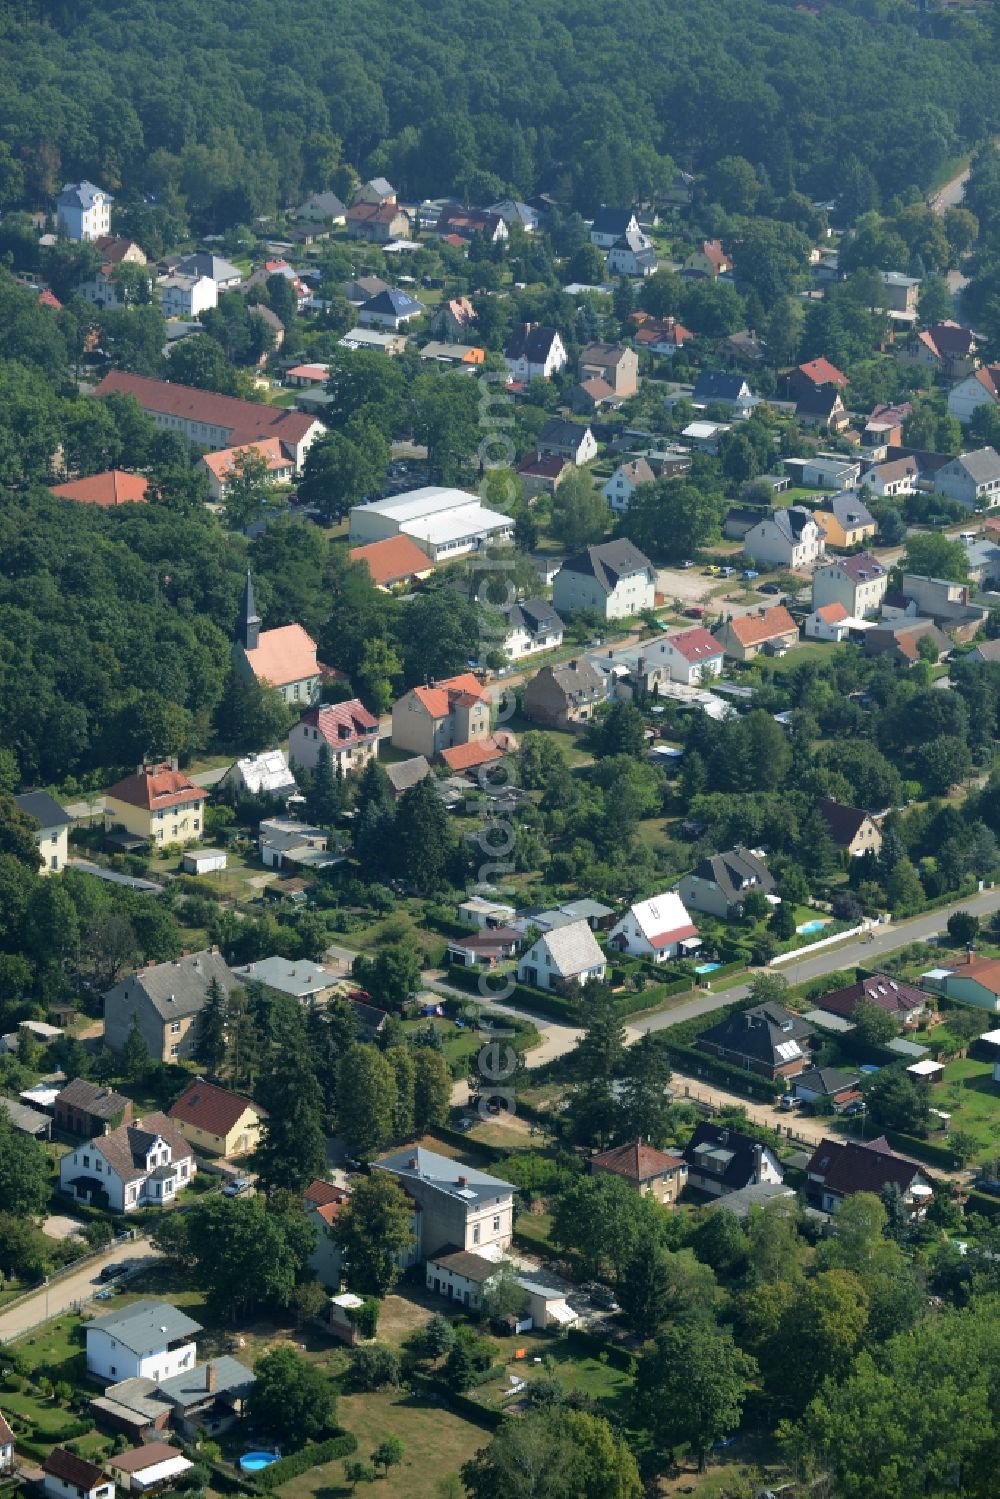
(816, 925)
(252, 1462)
(707, 967)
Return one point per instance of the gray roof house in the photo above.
(973, 479)
(767, 1039)
(714, 387)
(787, 537)
(201, 263)
(145, 1326)
(615, 579)
(458, 1206)
(722, 1160)
(560, 696)
(720, 882)
(532, 625)
(53, 827)
(566, 439)
(322, 208)
(564, 955)
(165, 999)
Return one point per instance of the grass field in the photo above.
(969, 1094)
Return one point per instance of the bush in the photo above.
(312, 1455)
(365, 1317)
(374, 1367)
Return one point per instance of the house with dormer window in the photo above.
(144, 1164)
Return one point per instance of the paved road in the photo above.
(81, 1285)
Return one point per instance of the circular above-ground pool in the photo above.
(252, 1462)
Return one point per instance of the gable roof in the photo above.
(325, 203)
(210, 1108)
(726, 1155)
(848, 1166)
(843, 822)
(831, 614)
(531, 341)
(822, 372)
(287, 654)
(663, 920)
(176, 988)
(573, 948)
(6, 1435)
(75, 1471)
(246, 421)
(406, 773)
(394, 303)
(319, 1192)
(789, 521)
(819, 400)
(637, 1162)
(150, 1455)
(714, 254)
(861, 568)
(115, 487)
(827, 1080)
(948, 340)
(577, 679)
(440, 699)
(662, 331)
(562, 433)
(223, 463)
(392, 559)
(146, 1325)
(125, 1148)
(606, 356)
(477, 752)
(849, 509)
(715, 385)
(767, 624)
(202, 263)
(766, 1033)
(341, 723)
(92, 1098)
(735, 871)
(982, 465)
(879, 989)
(612, 221)
(984, 971)
(533, 615)
(637, 471)
(190, 1387)
(608, 563)
(155, 787)
(43, 808)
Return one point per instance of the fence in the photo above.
(41, 1291)
(812, 947)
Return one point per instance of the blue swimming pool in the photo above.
(707, 967)
(816, 925)
(252, 1462)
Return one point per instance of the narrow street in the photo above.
(79, 1286)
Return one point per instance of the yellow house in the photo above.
(52, 836)
(158, 803)
(845, 520)
(217, 1122)
(708, 259)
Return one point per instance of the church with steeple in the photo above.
(284, 658)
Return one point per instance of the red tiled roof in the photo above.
(822, 372)
(677, 934)
(989, 379)
(48, 298)
(695, 644)
(377, 213)
(287, 654)
(438, 699)
(754, 629)
(73, 1470)
(247, 421)
(332, 717)
(320, 1193)
(6, 1435)
(468, 756)
(213, 1109)
(542, 465)
(714, 253)
(223, 462)
(114, 487)
(662, 330)
(393, 559)
(156, 786)
(637, 1162)
(832, 614)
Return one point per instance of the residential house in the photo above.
(187, 296)
(392, 309)
(455, 318)
(323, 1201)
(590, 395)
(858, 583)
(651, 1173)
(514, 213)
(722, 1160)
(264, 774)
(625, 480)
(894, 479)
(903, 293)
(284, 658)
(532, 626)
(463, 358)
(973, 479)
(6, 1449)
(309, 983)
(377, 223)
(213, 421)
(946, 602)
(458, 1206)
(154, 1465)
(215, 1121)
(972, 979)
(322, 208)
(562, 958)
(83, 211)
(615, 579)
(904, 1002)
(146, 1340)
(884, 428)
(690, 656)
(786, 537)
(767, 1039)
(143, 1164)
(822, 406)
(461, 1276)
(542, 473)
(164, 1000)
(845, 520)
(824, 471)
(853, 830)
(839, 1168)
(113, 487)
(469, 223)
(633, 255)
(375, 190)
(223, 273)
(348, 730)
(66, 1476)
(445, 523)
(221, 466)
(103, 288)
(612, 224)
(360, 289)
(52, 834)
(714, 388)
(484, 914)
(565, 695)
(829, 1087)
(829, 622)
(658, 929)
(396, 561)
(946, 348)
(708, 259)
(285, 843)
(90, 1109)
(158, 803)
(616, 364)
(704, 436)
(275, 328)
(534, 352)
(981, 388)
(719, 884)
(663, 336)
(427, 720)
(747, 635)
(745, 348)
(900, 640)
(565, 439)
(484, 949)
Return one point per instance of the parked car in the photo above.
(726, 572)
(768, 587)
(695, 612)
(857, 1107)
(236, 1188)
(111, 1272)
(789, 1102)
(686, 564)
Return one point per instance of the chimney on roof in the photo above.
(174, 763)
(210, 1378)
(463, 1181)
(185, 952)
(758, 1161)
(412, 1163)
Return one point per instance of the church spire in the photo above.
(249, 626)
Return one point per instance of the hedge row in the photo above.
(689, 1060)
(983, 1202)
(466, 1405)
(589, 1345)
(558, 1006)
(922, 1150)
(312, 1455)
(686, 1031)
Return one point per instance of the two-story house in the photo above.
(745, 636)
(787, 537)
(845, 520)
(651, 1173)
(52, 835)
(565, 439)
(378, 223)
(839, 1168)
(633, 255)
(616, 364)
(164, 1000)
(284, 658)
(973, 479)
(224, 464)
(945, 348)
(981, 388)
(714, 388)
(858, 582)
(690, 656)
(658, 929)
(217, 1121)
(719, 884)
(159, 803)
(143, 1164)
(89, 1109)
(84, 211)
(427, 720)
(348, 730)
(624, 482)
(534, 352)
(853, 830)
(893, 479)
(767, 1039)
(532, 626)
(612, 224)
(721, 1160)
(187, 296)
(614, 579)
(564, 695)
(708, 260)
(146, 1340)
(66, 1476)
(822, 407)
(459, 1207)
(322, 1201)
(565, 956)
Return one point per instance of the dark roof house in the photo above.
(839, 1168)
(721, 1159)
(767, 1039)
(881, 990)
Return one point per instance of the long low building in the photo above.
(443, 522)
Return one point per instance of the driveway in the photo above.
(79, 1286)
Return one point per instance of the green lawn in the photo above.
(969, 1094)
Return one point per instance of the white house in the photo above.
(625, 480)
(787, 538)
(6, 1448)
(142, 1164)
(612, 224)
(824, 471)
(633, 255)
(658, 928)
(348, 730)
(445, 523)
(981, 388)
(458, 1207)
(262, 774)
(691, 656)
(828, 622)
(147, 1340)
(66, 1476)
(532, 626)
(615, 579)
(566, 955)
(52, 837)
(858, 583)
(565, 439)
(84, 210)
(973, 479)
(534, 352)
(187, 296)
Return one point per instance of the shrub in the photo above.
(374, 1367)
(312, 1455)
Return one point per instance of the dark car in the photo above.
(769, 588)
(111, 1272)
